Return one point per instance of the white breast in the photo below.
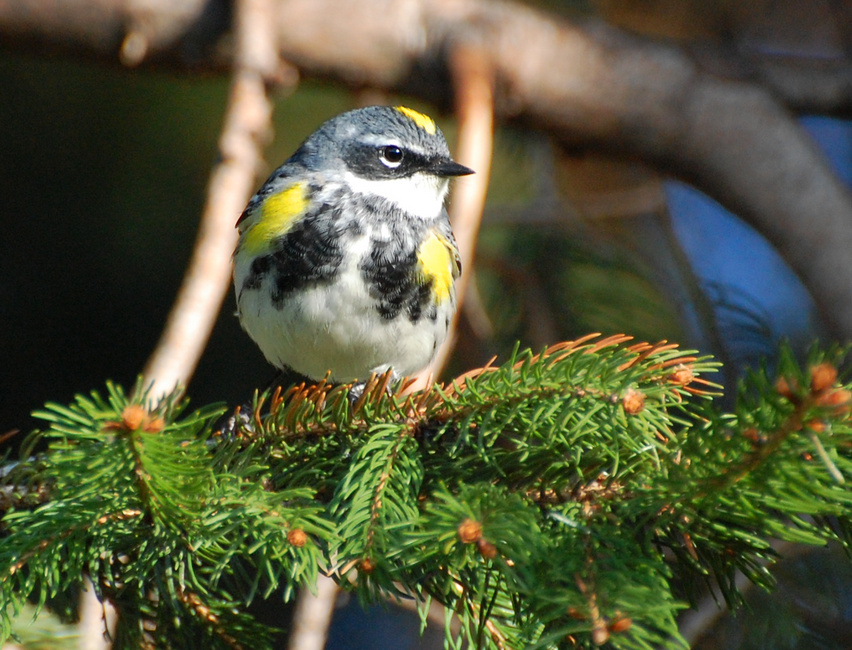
(336, 327)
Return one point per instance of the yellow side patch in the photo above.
(423, 121)
(436, 262)
(277, 214)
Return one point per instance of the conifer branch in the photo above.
(561, 497)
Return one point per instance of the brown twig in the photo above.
(313, 616)
(473, 83)
(247, 125)
(590, 86)
(473, 80)
(97, 619)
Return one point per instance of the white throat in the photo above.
(420, 195)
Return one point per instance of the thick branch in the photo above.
(804, 84)
(588, 85)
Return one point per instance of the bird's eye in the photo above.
(391, 156)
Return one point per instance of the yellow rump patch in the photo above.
(423, 121)
(437, 263)
(277, 214)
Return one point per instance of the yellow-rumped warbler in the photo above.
(346, 262)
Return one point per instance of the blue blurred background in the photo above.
(102, 179)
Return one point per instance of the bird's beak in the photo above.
(447, 167)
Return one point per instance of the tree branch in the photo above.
(473, 80)
(247, 125)
(804, 84)
(313, 615)
(590, 86)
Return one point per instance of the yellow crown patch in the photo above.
(423, 121)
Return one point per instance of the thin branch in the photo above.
(473, 309)
(313, 616)
(247, 125)
(208, 275)
(473, 80)
(591, 86)
(475, 110)
(97, 620)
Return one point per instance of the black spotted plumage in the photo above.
(309, 252)
(391, 268)
(348, 277)
(397, 286)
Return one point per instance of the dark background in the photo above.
(102, 177)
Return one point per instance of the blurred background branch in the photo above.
(473, 83)
(623, 95)
(207, 279)
(591, 85)
(247, 128)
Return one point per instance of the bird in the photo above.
(346, 264)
